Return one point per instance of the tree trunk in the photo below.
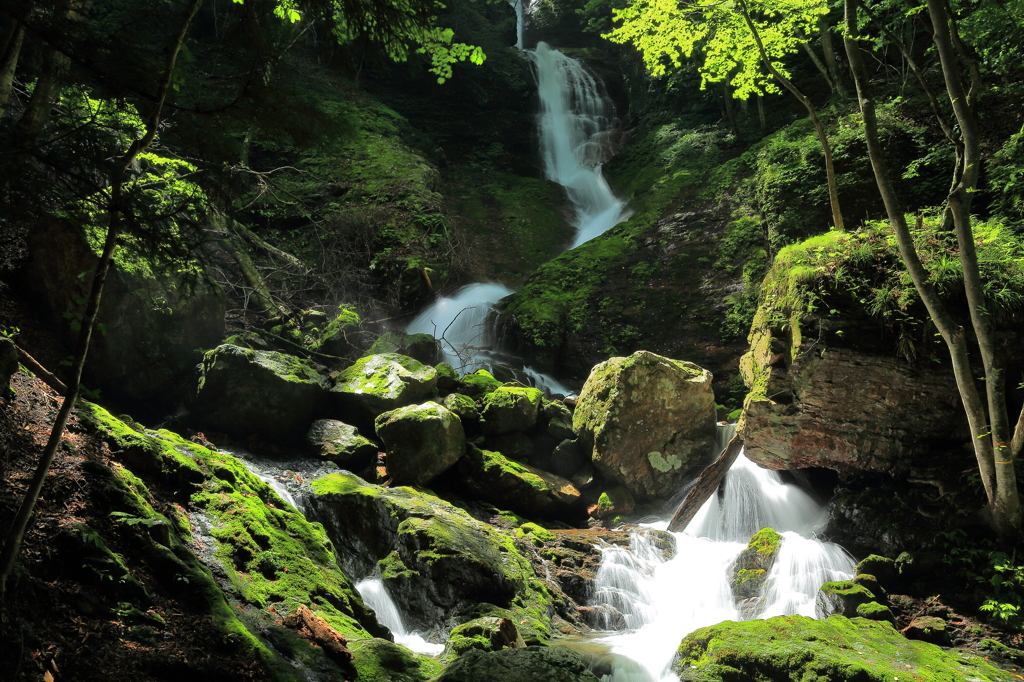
(730, 112)
(831, 62)
(16, 534)
(830, 171)
(706, 485)
(996, 488)
(1006, 506)
(9, 65)
(805, 43)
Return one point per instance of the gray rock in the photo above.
(378, 383)
(340, 443)
(648, 422)
(422, 347)
(422, 441)
(526, 490)
(243, 391)
(567, 459)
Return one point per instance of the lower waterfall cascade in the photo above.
(376, 596)
(662, 601)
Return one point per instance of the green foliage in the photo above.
(667, 32)
(998, 575)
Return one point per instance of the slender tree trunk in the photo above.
(830, 171)
(805, 43)
(984, 440)
(9, 65)
(1006, 506)
(16, 534)
(730, 112)
(760, 114)
(40, 104)
(831, 62)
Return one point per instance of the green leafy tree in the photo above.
(742, 43)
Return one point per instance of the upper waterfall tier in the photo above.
(578, 132)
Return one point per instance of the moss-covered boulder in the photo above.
(244, 391)
(340, 443)
(837, 649)
(449, 560)
(551, 664)
(154, 317)
(749, 572)
(378, 660)
(447, 378)
(464, 407)
(378, 383)
(841, 597)
(526, 490)
(557, 419)
(422, 347)
(489, 633)
(511, 408)
(422, 441)
(926, 628)
(478, 384)
(225, 540)
(647, 421)
(332, 338)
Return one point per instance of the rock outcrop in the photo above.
(243, 391)
(378, 383)
(422, 441)
(647, 421)
(433, 557)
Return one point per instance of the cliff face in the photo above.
(844, 370)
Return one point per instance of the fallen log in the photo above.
(705, 486)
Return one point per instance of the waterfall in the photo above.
(578, 132)
(662, 601)
(460, 323)
(376, 596)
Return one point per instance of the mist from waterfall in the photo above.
(663, 601)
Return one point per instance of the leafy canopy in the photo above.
(666, 31)
(399, 27)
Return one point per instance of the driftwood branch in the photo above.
(41, 372)
(705, 486)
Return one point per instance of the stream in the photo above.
(655, 602)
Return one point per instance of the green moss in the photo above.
(392, 566)
(378, 660)
(836, 649)
(872, 610)
(538, 532)
(478, 384)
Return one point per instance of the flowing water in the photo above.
(376, 596)
(578, 132)
(662, 601)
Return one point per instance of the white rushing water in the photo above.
(578, 132)
(578, 129)
(376, 596)
(662, 601)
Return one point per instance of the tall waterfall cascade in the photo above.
(578, 132)
(661, 601)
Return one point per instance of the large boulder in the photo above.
(378, 383)
(837, 649)
(551, 664)
(434, 558)
(340, 443)
(244, 391)
(511, 408)
(152, 319)
(422, 347)
(749, 572)
(647, 421)
(422, 441)
(526, 490)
